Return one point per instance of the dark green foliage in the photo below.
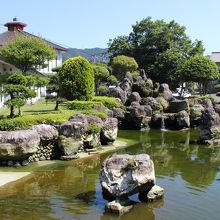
(93, 129)
(144, 89)
(108, 102)
(76, 79)
(199, 69)
(27, 53)
(101, 74)
(112, 80)
(103, 90)
(82, 105)
(158, 47)
(18, 92)
(207, 97)
(121, 64)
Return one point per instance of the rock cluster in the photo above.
(124, 175)
(46, 142)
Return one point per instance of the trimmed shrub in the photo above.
(27, 121)
(121, 64)
(76, 79)
(82, 105)
(108, 102)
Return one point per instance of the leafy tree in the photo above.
(199, 69)
(121, 64)
(17, 91)
(76, 79)
(27, 53)
(157, 46)
(100, 73)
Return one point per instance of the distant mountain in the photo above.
(92, 54)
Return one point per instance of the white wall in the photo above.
(52, 63)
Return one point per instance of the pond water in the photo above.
(189, 173)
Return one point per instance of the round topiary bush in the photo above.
(76, 79)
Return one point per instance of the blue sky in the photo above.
(91, 23)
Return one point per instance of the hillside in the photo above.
(92, 54)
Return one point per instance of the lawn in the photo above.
(41, 107)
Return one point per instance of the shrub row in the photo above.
(82, 105)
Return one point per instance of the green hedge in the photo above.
(108, 102)
(25, 122)
(82, 105)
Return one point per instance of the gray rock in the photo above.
(18, 145)
(148, 110)
(183, 120)
(143, 74)
(124, 175)
(118, 207)
(69, 146)
(155, 193)
(118, 113)
(155, 105)
(195, 114)
(170, 121)
(209, 129)
(75, 127)
(129, 76)
(91, 141)
(165, 92)
(179, 105)
(46, 132)
(134, 97)
(24, 162)
(109, 131)
(119, 93)
(126, 85)
(91, 119)
(207, 103)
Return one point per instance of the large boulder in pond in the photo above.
(109, 131)
(69, 146)
(183, 120)
(75, 127)
(196, 114)
(179, 105)
(125, 175)
(209, 129)
(18, 145)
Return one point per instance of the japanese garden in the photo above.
(110, 140)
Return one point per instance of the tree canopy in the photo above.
(121, 64)
(199, 69)
(27, 53)
(157, 46)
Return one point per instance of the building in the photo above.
(16, 29)
(215, 56)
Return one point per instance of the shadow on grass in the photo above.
(41, 111)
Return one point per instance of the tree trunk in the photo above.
(12, 112)
(19, 111)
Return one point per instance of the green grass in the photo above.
(42, 113)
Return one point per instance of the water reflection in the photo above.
(187, 171)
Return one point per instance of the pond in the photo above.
(189, 173)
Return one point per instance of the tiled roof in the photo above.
(8, 36)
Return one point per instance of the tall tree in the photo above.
(199, 69)
(157, 46)
(27, 53)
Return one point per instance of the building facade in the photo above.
(16, 29)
